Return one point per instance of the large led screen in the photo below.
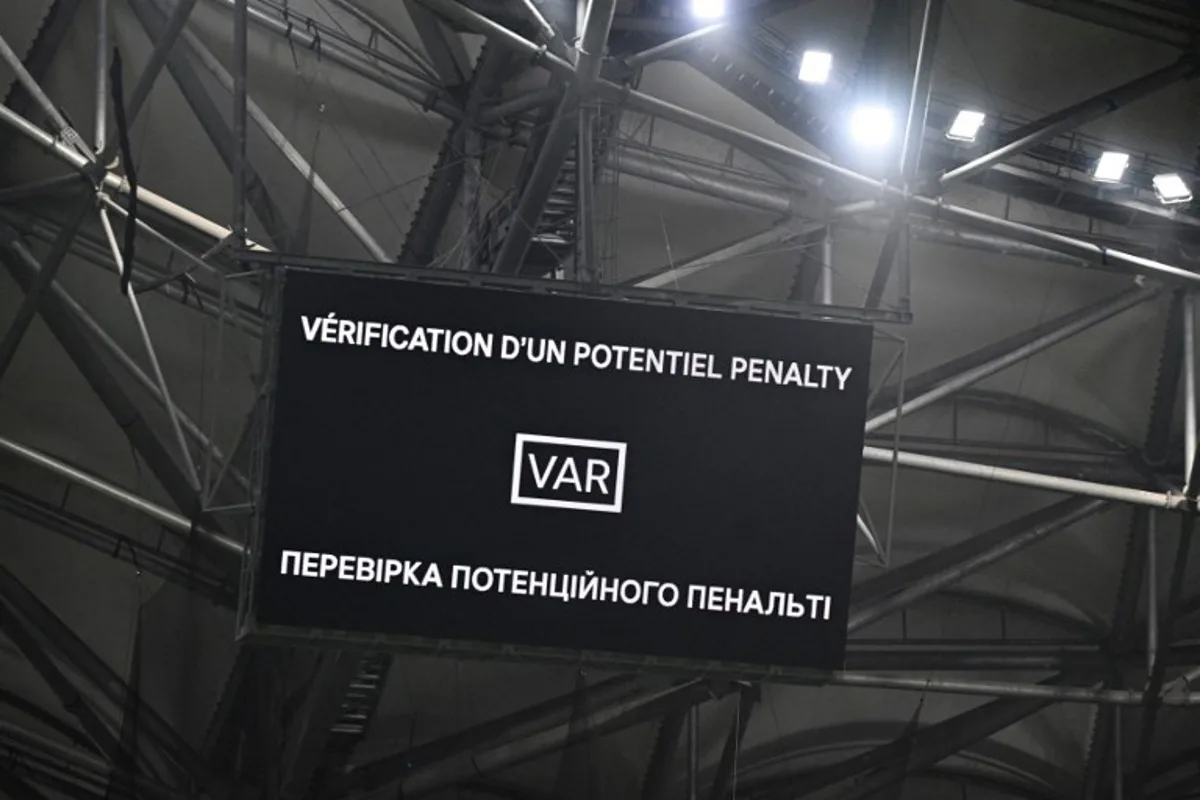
(456, 465)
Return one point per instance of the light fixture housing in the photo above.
(1172, 189)
(815, 66)
(966, 126)
(872, 126)
(708, 9)
(1110, 167)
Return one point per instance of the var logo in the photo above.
(576, 474)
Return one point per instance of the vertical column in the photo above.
(827, 267)
(240, 65)
(101, 75)
(585, 196)
(1189, 387)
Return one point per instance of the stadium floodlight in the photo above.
(815, 66)
(1111, 166)
(965, 126)
(1172, 189)
(708, 9)
(871, 126)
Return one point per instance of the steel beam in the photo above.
(711, 182)
(944, 738)
(666, 742)
(598, 723)
(42, 282)
(910, 148)
(163, 44)
(447, 175)
(103, 737)
(61, 126)
(734, 19)
(154, 20)
(762, 147)
(474, 21)
(53, 634)
(964, 559)
(50, 35)
(220, 589)
(527, 722)
(247, 105)
(725, 777)
(559, 139)
(1154, 698)
(1122, 494)
(1074, 116)
(1126, 20)
(587, 268)
(1075, 323)
(306, 737)
(375, 70)
(121, 407)
(1189, 388)
(668, 277)
(116, 182)
(443, 47)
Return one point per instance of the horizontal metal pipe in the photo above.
(1053, 483)
(519, 104)
(1064, 694)
(168, 518)
(1122, 303)
(765, 148)
(939, 232)
(708, 182)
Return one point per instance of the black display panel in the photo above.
(497, 466)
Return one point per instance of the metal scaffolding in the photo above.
(816, 197)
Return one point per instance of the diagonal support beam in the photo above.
(1075, 323)
(526, 722)
(734, 20)
(154, 20)
(892, 761)
(785, 231)
(72, 701)
(596, 724)
(448, 173)
(559, 139)
(1072, 117)
(41, 283)
(1125, 20)
(124, 411)
(443, 46)
(53, 634)
(896, 589)
(49, 39)
(164, 44)
(670, 728)
(922, 383)
(723, 779)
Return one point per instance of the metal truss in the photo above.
(585, 72)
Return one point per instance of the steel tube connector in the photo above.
(1017, 477)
